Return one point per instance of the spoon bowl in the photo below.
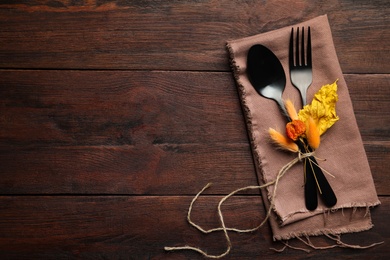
(266, 73)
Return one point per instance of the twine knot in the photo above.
(302, 156)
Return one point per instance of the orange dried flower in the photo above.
(282, 142)
(295, 129)
(313, 134)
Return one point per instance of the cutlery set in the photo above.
(266, 74)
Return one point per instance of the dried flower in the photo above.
(313, 134)
(323, 108)
(295, 129)
(282, 141)
(290, 108)
(310, 122)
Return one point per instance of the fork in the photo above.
(301, 76)
(301, 69)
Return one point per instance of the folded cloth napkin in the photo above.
(341, 145)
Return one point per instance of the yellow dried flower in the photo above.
(322, 109)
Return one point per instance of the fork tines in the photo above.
(300, 59)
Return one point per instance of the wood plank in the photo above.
(61, 227)
(152, 169)
(370, 96)
(119, 108)
(115, 108)
(141, 107)
(170, 36)
(378, 154)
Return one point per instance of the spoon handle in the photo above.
(282, 108)
(311, 200)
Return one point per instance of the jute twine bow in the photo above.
(223, 227)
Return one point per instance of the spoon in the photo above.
(266, 74)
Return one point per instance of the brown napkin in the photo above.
(341, 145)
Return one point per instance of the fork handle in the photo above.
(326, 191)
(303, 96)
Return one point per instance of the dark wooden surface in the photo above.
(114, 114)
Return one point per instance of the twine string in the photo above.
(223, 227)
(300, 157)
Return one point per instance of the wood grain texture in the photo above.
(119, 108)
(123, 227)
(371, 101)
(167, 35)
(48, 107)
(114, 114)
(137, 132)
(168, 169)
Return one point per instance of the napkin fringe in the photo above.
(284, 221)
(326, 232)
(248, 118)
(336, 238)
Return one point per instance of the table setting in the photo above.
(290, 192)
(194, 129)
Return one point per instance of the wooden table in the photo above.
(114, 114)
